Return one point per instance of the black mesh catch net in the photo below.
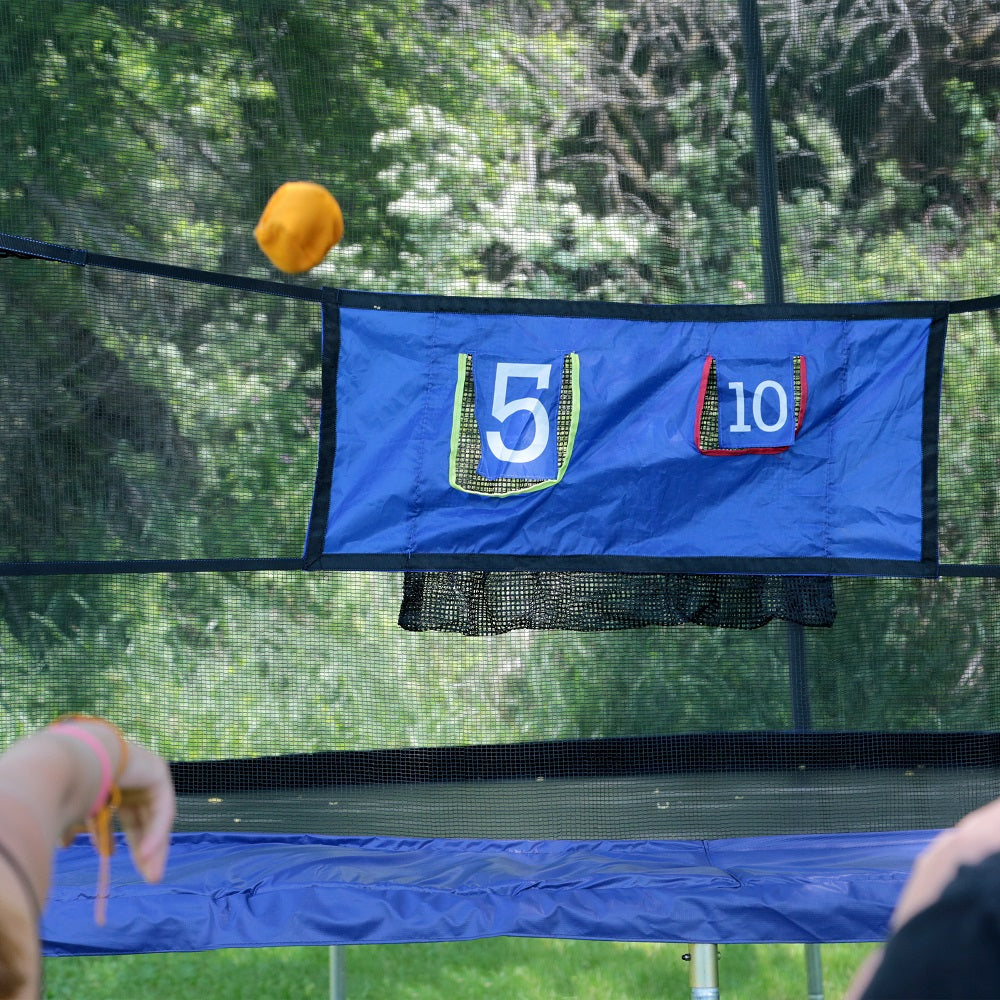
(485, 603)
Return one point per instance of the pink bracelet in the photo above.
(107, 779)
(99, 819)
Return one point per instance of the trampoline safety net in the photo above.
(161, 427)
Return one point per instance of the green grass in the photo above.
(505, 968)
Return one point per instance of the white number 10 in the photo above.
(758, 417)
(504, 407)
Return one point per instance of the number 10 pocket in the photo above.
(750, 407)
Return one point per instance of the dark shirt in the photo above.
(951, 950)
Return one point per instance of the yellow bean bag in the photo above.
(299, 225)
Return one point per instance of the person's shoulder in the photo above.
(951, 949)
(977, 883)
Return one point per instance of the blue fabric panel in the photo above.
(851, 486)
(256, 890)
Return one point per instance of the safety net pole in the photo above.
(767, 180)
(774, 292)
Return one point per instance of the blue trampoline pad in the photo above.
(260, 890)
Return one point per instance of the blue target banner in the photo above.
(512, 434)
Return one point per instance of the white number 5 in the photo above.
(504, 407)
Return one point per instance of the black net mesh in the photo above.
(483, 603)
(573, 149)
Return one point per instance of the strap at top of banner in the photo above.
(30, 249)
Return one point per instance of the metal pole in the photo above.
(774, 292)
(814, 972)
(338, 988)
(704, 978)
(767, 178)
(774, 288)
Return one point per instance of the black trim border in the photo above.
(425, 562)
(933, 378)
(649, 312)
(688, 753)
(327, 438)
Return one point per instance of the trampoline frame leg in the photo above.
(338, 988)
(704, 976)
(814, 972)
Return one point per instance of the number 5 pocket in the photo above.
(513, 424)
